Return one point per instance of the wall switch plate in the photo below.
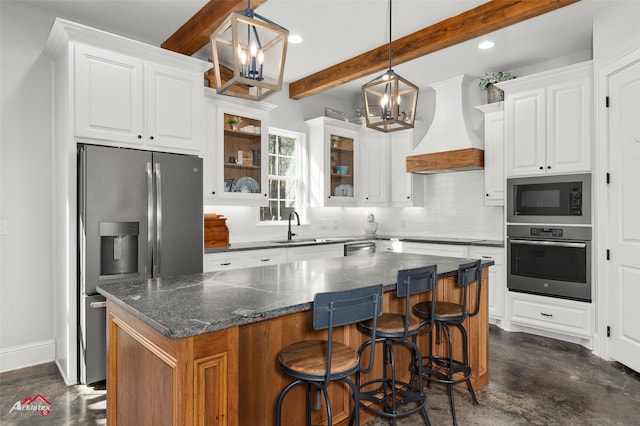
(3, 227)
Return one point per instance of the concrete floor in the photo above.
(534, 381)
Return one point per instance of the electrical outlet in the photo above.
(3, 227)
(336, 223)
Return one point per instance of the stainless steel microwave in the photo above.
(562, 199)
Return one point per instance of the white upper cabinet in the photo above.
(493, 153)
(407, 189)
(334, 165)
(375, 168)
(236, 156)
(127, 101)
(548, 121)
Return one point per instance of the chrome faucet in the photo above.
(291, 234)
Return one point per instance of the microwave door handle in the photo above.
(549, 243)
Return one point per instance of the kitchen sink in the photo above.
(311, 240)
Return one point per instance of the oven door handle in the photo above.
(549, 243)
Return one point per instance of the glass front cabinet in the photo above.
(334, 149)
(238, 172)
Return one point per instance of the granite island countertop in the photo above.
(191, 305)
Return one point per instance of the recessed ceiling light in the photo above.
(486, 45)
(295, 39)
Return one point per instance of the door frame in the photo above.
(603, 302)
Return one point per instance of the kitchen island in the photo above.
(201, 349)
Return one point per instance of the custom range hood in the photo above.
(450, 144)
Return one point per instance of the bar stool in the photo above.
(317, 363)
(387, 394)
(443, 369)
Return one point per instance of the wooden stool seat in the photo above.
(389, 323)
(310, 357)
(442, 309)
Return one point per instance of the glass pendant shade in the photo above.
(390, 102)
(248, 56)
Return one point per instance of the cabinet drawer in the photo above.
(432, 249)
(552, 314)
(265, 257)
(220, 262)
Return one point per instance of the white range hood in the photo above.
(450, 144)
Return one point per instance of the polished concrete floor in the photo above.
(534, 381)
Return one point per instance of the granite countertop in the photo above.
(259, 245)
(190, 305)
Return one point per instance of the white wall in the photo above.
(616, 31)
(26, 308)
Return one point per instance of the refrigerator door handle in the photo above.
(97, 305)
(150, 232)
(158, 259)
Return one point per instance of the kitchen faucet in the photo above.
(291, 234)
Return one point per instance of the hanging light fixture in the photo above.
(248, 55)
(390, 100)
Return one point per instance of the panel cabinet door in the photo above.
(108, 96)
(497, 278)
(375, 168)
(174, 103)
(494, 158)
(525, 131)
(569, 126)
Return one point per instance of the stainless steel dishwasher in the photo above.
(366, 248)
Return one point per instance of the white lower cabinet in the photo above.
(450, 250)
(553, 315)
(265, 257)
(273, 256)
(243, 259)
(298, 254)
(497, 279)
(222, 261)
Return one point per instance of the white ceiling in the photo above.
(336, 30)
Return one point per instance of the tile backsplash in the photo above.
(454, 207)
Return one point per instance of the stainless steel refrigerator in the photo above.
(139, 216)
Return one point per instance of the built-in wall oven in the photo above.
(549, 235)
(550, 260)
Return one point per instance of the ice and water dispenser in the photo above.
(118, 248)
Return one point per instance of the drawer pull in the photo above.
(225, 264)
(546, 315)
(487, 257)
(264, 260)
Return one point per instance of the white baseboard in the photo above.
(22, 356)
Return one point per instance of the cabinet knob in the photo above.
(265, 195)
(487, 195)
(548, 167)
(541, 168)
(139, 136)
(408, 197)
(367, 198)
(151, 137)
(213, 192)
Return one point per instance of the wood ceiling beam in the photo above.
(473, 23)
(196, 32)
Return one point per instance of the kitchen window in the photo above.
(286, 168)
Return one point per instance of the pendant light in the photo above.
(390, 100)
(248, 55)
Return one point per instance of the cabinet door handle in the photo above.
(546, 315)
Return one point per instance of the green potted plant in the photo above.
(495, 94)
(234, 122)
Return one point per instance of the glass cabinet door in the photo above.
(341, 154)
(242, 154)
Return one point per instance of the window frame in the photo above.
(301, 197)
